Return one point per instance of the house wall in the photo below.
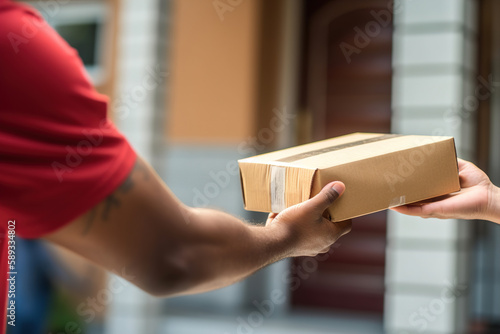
(137, 109)
(207, 112)
(427, 277)
(217, 111)
(433, 71)
(214, 68)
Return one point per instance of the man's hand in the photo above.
(478, 199)
(305, 225)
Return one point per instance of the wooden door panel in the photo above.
(345, 97)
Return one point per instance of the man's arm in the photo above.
(478, 199)
(143, 233)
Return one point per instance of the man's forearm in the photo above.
(224, 250)
(169, 249)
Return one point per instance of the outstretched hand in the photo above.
(478, 199)
(305, 225)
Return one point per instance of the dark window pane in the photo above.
(83, 38)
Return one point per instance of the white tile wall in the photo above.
(433, 59)
(428, 49)
(130, 324)
(130, 311)
(127, 296)
(423, 91)
(428, 11)
(137, 50)
(432, 229)
(422, 266)
(296, 323)
(423, 313)
(448, 124)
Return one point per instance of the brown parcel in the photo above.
(379, 171)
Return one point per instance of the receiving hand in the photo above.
(478, 199)
(305, 226)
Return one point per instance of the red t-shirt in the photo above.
(59, 154)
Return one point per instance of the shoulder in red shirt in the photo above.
(59, 153)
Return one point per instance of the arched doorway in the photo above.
(347, 75)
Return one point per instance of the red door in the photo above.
(347, 72)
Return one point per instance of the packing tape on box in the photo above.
(278, 173)
(305, 155)
(397, 201)
(278, 176)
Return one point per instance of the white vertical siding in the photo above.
(427, 260)
(137, 59)
(133, 311)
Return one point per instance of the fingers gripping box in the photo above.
(379, 170)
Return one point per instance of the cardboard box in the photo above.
(379, 170)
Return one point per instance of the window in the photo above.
(82, 26)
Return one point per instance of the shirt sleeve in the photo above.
(59, 153)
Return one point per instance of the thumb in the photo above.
(325, 197)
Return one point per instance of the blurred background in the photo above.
(198, 84)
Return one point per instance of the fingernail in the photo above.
(337, 188)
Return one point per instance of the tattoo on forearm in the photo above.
(115, 199)
(110, 202)
(127, 184)
(89, 221)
